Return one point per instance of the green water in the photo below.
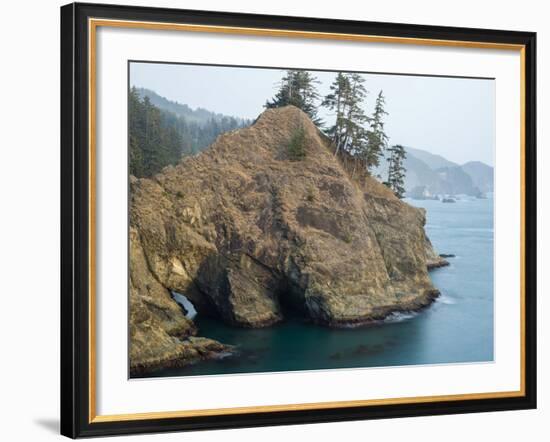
(458, 327)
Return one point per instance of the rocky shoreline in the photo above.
(384, 314)
(437, 264)
(247, 233)
(190, 351)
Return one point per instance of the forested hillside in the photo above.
(199, 115)
(159, 137)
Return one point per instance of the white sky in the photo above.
(451, 117)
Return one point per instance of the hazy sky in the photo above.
(451, 117)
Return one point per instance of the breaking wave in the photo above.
(400, 316)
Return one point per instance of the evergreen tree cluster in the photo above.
(354, 134)
(349, 133)
(153, 141)
(158, 138)
(298, 89)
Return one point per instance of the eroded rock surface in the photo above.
(245, 233)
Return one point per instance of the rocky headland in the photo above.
(248, 233)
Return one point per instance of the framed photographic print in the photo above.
(278, 220)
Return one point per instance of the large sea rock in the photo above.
(248, 234)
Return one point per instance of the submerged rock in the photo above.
(246, 233)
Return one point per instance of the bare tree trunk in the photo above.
(337, 147)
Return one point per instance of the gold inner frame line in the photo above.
(93, 24)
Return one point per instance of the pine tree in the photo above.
(336, 101)
(376, 136)
(355, 117)
(346, 99)
(297, 88)
(396, 170)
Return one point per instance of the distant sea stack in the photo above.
(248, 232)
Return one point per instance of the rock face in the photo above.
(246, 234)
(160, 334)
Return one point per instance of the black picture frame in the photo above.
(75, 221)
